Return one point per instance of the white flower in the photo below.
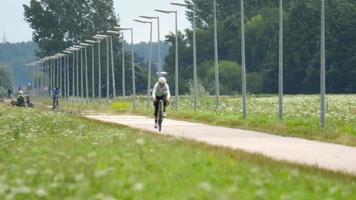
(79, 177)
(3, 188)
(138, 186)
(41, 192)
(100, 173)
(21, 190)
(140, 141)
(205, 186)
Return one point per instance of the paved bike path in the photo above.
(324, 155)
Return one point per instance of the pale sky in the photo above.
(17, 30)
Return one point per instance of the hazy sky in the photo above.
(16, 29)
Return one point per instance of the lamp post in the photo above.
(322, 67)
(159, 44)
(43, 61)
(107, 66)
(195, 78)
(92, 43)
(176, 54)
(85, 45)
(74, 71)
(70, 52)
(61, 56)
(66, 66)
(50, 72)
(63, 73)
(57, 71)
(99, 62)
(112, 61)
(123, 68)
(132, 65)
(280, 73)
(216, 60)
(149, 60)
(243, 61)
(81, 73)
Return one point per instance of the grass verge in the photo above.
(53, 155)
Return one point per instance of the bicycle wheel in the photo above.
(160, 115)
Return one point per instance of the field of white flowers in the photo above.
(339, 107)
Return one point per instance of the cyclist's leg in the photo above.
(53, 102)
(165, 104)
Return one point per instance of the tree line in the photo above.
(59, 24)
(301, 46)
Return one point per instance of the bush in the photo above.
(121, 106)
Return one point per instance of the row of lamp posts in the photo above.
(54, 71)
(56, 63)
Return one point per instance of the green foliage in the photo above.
(5, 78)
(46, 155)
(59, 24)
(16, 55)
(142, 48)
(301, 43)
(3, 92)
(121, 106)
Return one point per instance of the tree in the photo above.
(59, 24)
(301, 43)
(5, 79)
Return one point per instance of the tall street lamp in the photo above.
(64, 75)
(70, 52)
(99, 66)
(176, 54)
(123, 68)
(159, 43)
(112, 61)
(322, 67)
(75, 83)
(81, 73)
(92, 43)
(216, 61)
(132, 65)
(85, 45)
(280, 70)
(195, 78)
(243, 61)
(149, 60)
(61, 85)
(107, 66)
(75, 70)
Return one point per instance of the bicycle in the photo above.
(55, 103)
(160, 115)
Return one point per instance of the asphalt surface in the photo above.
(313, 153)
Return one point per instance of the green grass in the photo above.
(52, 155)
(301, 115)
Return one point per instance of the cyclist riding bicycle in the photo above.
(160, 92)
(56, 94)
(20, 99)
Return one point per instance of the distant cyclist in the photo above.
(56, 94)
(20, 99)
(160, 92)
(9, 92)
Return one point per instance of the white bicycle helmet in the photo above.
(162, 80)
